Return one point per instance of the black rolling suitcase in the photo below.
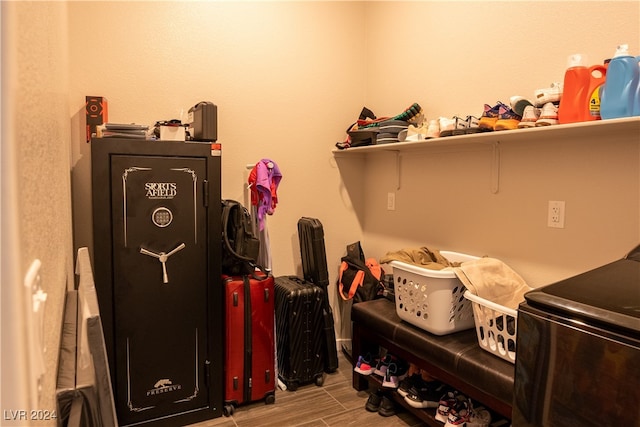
(299, 332)
(314, 268)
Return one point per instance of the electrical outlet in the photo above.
(391, 201)
(555, 216)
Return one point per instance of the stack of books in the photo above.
(120, 130)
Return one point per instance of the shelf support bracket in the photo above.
(495, 167)
(397, 153)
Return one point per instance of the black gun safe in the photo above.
(157, 250)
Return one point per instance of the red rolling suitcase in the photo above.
(299, 331)
(250, 349)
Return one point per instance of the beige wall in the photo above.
(446, 201)
(36, 196)
(288, 78)
(452, 57)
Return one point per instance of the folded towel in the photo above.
(493, 280)
(422, 257)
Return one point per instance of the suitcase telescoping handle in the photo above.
(248, 341)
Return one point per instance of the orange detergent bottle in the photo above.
(581, 94)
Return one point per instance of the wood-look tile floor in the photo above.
(335, 403)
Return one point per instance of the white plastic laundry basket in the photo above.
(432, 300)
(496, 327)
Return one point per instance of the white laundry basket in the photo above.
(496, 327)
(432, 300)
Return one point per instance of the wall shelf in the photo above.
(595, 129)
(494, 140)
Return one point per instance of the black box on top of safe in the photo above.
(203, 121)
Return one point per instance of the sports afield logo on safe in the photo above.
(164, 385)
(161, 190)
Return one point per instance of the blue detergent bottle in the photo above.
(620, 89)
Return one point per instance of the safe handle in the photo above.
(162, 257)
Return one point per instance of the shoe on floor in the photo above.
(508, 119)
(446, 402)
(406, 384)
(387, 407)
(364, 365)
(489, 117)
(479, 417)
(553, 93)
(425, 394)
(464, 414)
(548, 115)
(396, 372)
(530, 117)
(459, 413)
(373, 402)
(383, 364)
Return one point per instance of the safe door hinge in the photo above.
(205, 193)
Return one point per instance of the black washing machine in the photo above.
(578, 359)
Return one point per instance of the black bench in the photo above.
(455, 359)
